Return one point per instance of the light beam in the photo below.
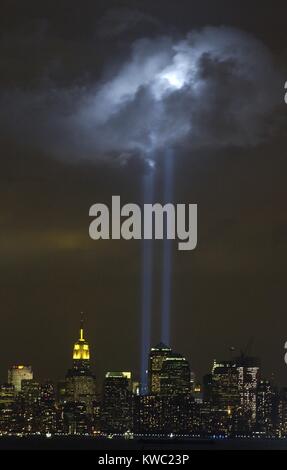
(147, 280)
(167, 255)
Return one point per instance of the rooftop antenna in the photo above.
(82, 327)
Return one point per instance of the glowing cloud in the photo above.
(216, 87)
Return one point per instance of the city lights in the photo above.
(235, 401)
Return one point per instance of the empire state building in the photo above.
(80, 382)
(81, 354)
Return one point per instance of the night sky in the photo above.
(230, 291)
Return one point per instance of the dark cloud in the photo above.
(215, 87)
(119, 21)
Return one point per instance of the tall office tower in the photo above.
(248, 377)
(47, 408)
(175, 375)
(30, 398)
(264, 407)
(18, 373)
(116, 414)
(156, 358)
(225, 392)
(80, 383)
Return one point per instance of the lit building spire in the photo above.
(81, 350)
(82, 327)
(80, 382)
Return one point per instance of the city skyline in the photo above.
(234, 400)
(82, 350)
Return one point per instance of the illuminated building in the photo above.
(116, 415)
(233, 386)
(7, 394)
(136, 388)
(225, 392)
(156, 358)
(167, 407)
(31, 391)
(47, 408)
(169, 372)
(248, 376)
(96, 417)
(234, 402)
(161, 414)
(81, 353)
(175, 375)
(18, 373)
(75, 418)
(148, 414)
(80, 383)
(283, 413)
(197, 393)
(209, 420)
(178, 413)
(7, 398)
(30, 404)
(264, 407)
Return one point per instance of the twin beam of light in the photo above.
(147, 282)
(147, 273)
(167, 254)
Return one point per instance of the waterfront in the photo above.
(124, 445)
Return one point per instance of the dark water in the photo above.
(72, 443)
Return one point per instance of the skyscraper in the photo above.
(81, 353)
(156, 358)
(248, 377)
(80, 383)
(234, 386)
(225, 393)
(30, 400)
(169, 372)
(175, 375)
(116, 413)
(18, 373)
(264, 407)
